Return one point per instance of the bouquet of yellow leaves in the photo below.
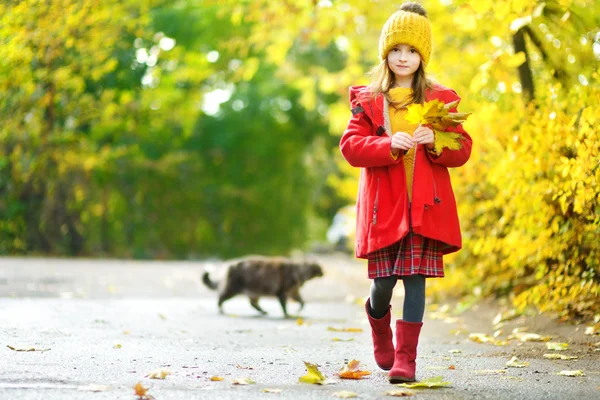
(435, 113)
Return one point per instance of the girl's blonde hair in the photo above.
(382, 80)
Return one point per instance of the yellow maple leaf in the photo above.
(437, 115)
(313, 376)
(352, 371)
(449, 140)
(416, 112)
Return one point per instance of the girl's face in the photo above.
(403, 60)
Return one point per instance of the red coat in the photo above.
(382, 214)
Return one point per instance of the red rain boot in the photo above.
(383, 343)
(407, 339)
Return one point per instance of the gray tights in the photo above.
(414, 298)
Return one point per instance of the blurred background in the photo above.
(193, 129)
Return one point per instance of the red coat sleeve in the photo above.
(361, 148)
(454, 158)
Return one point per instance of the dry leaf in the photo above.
(216, 378)
(117, 346)
(455, 351)
(571, 373)
(93, 388)
(142, 392)
(483, 338)
(480, 338)
(490, 371)
(337, 339)
(299, 322)
(243, 381)
(267, 390)
(344, 394)
(531, 337)
(331, 328)
(431, 383)
(162, 316)
(559, 357)
(505, 316)
(516, 363)
(557, 346)
(436, 114)
(159, 374)
(452, 367)
(352, 371)
(399, 393)
(26, 348)
(314, 376)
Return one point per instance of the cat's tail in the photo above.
(210, 284)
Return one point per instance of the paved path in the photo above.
(110, 323)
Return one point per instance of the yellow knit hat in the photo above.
(405, 27)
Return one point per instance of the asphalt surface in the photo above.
(102, 326)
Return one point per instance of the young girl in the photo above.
(406, 211)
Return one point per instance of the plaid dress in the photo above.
(413, 254)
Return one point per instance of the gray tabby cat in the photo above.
(258, 276)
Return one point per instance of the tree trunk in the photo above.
(525, 75)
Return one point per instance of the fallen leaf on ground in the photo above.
(452, 367)
(590, 330)
(490, 371)
(162, 316)
(505, 316)
(559, 357)
(516, 363)
(483, 338)
(243, 381)
(571, 373)
(431, 383)
(242, 367)
(344, 394)
(557, 346)
(26, 348)
(331, 328)
(530, 337)
(455, 351)
(459, 331)
(399, 393)
(337, 339)
(159, 374)
(314, 376)
(94, 388)
(352, 371)
(267, 390)
(480, 338)
(299, 322)
(142, 392)
(117, 346)
(216, 378)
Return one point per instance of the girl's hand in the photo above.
(402, 141)
(424, 135)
